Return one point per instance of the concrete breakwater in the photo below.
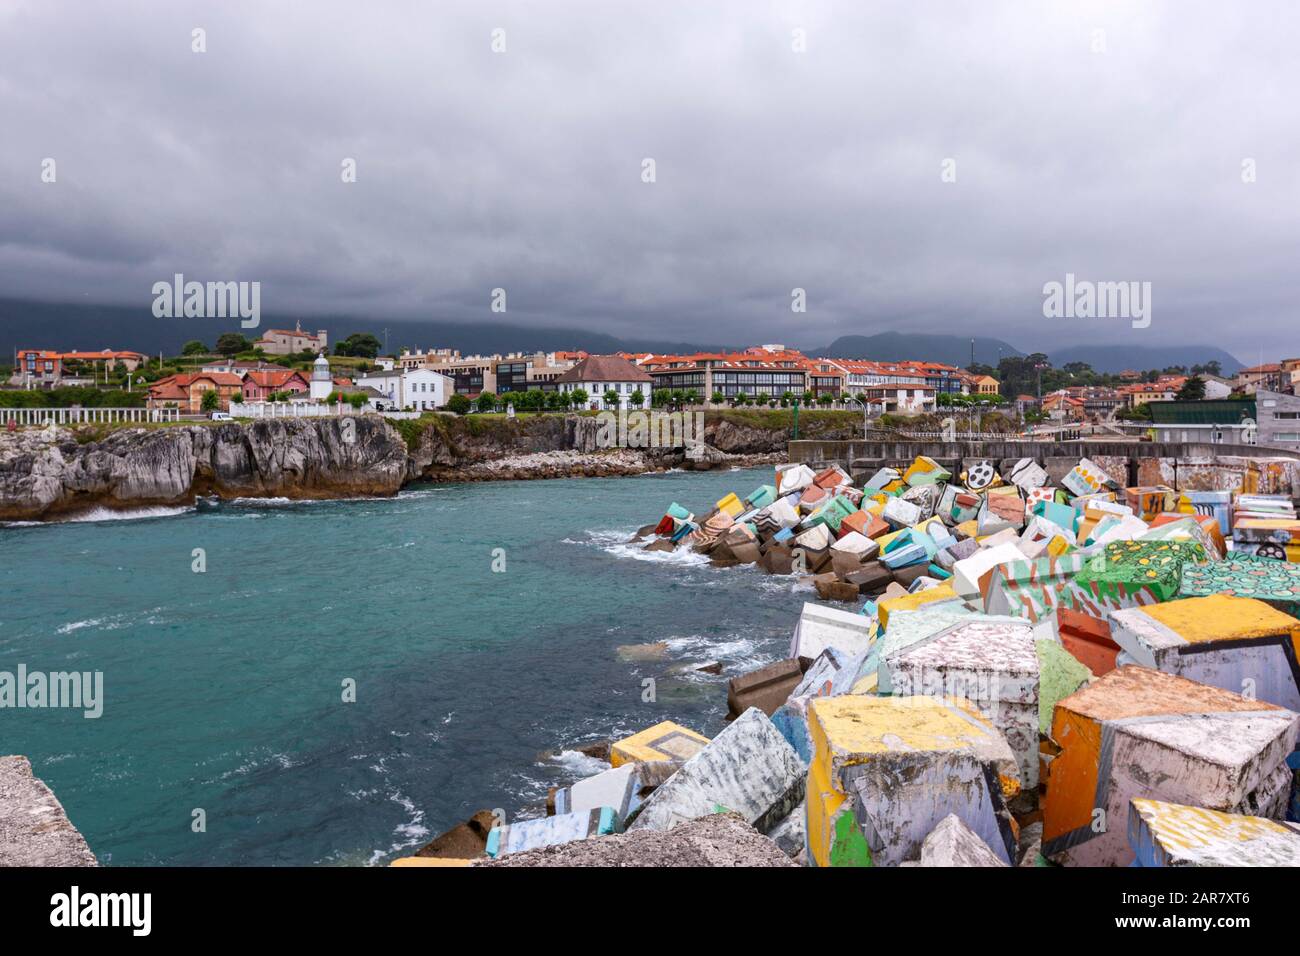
(45, 473)
(1016, 664)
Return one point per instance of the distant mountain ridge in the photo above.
(77, 326)
(899, 346)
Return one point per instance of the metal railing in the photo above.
(77, 415)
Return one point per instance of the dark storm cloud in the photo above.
(775, 169)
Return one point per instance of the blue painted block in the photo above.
(551, 831)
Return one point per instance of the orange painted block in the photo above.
(1088, 639)
(1138, 732)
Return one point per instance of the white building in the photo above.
(417, 389)
(598, 374)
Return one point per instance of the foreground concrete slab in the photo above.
(1170, 834)
(748, 768)
(1240, 644)
(34, 829)
(720, 839)
(887, 770)
(952, 843)
(1138, 732)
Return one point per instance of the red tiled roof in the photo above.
(604, 368)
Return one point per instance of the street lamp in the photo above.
(866, 409)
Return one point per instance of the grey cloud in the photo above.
(775, 170)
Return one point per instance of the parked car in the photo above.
(222, 417)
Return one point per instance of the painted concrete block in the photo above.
(1171, 834)
(1028, 475)
(1236, 643)
(663, 741)
(748, 768)
(898, 766)
(1138, 732)
(991, 662)
(615, 788)
(550, 831)
(881, 478)
(1029, 589)
(901, 514)
(820, 627)
(926, 471)
(967, 572)
(952, 843)
(1086, 478)
(1131, 574)
(940, 594)
(793, 478)
(1245, 575)
(765, 688)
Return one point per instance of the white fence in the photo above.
(306, 410)
(79, 415)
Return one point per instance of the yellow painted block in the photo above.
(1058, 546)
(1222, 617)
(1004, 490)
(429, 861)
(896, 485)
(732, 505)
(968, 529)
(663, 741)
(884, 539)
(910, 602)
(824, 801)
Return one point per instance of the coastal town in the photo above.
(292, 373)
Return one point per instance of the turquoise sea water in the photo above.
(223, 690)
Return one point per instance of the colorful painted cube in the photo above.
(887, 770)
(1088, 478)
(663, 741)
(1173, 834)
(550, 831)
(1236, 643)
(1138, 732)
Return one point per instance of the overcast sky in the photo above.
(775, 169)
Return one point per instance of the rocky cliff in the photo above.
(48, 472)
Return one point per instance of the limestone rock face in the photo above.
(34, 830)
(45, 473)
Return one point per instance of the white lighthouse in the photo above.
(322, 383)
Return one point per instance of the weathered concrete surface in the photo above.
(720, 839)
(748, 768)
(34, 830)
(1138, 732)
(1169, 834)
(1239, 644)
(952, 843)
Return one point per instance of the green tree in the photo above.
(580, 397)
(691, 397)
(638, 398)
(358, 345)
(211, 401)
(487, 401)
(1193, 390)
(825, 399)
(764, 398)
(194, 347)
(718, 398)
(231, 343)
(611, 398)
(459, 404)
